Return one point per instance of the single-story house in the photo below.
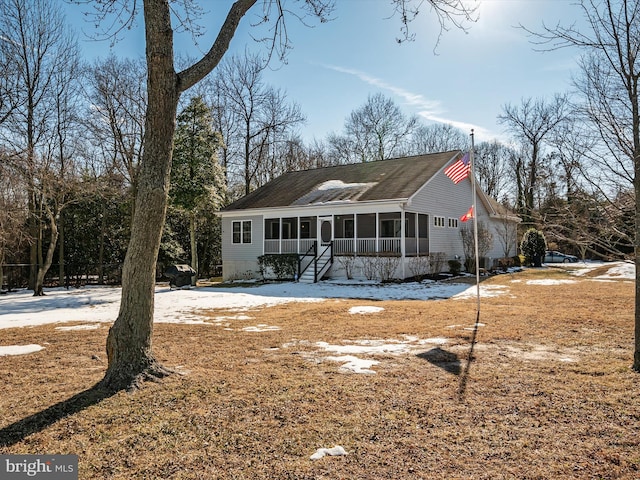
(341, 219)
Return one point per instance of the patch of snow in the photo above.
(335, 451)
(617, 270)
(354, 364)
(620, 270)
(435, 340)
(339, 184)
(79, 327)
(550, 281)
(365, 309)
(370, 347)
(19, 349)
(232, 317)
(261, 328)
(486, 291)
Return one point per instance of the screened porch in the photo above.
(389, 234)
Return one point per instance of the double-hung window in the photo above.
(241, 231)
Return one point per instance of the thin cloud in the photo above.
(430, 110)
(412, 99)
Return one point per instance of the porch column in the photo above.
(298, 234)
(416, 228)
(377, 232)
(280, 235)
(355, 234)
(403, 236)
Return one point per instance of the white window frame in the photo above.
(438, 221)
(242, 231)
(453, 222)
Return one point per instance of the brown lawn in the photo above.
(549, 393)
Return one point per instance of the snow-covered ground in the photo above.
(101, 304)
(87, 307)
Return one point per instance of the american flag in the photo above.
(459, 170)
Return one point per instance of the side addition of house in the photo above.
(402, 209)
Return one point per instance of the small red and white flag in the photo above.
(467, 216)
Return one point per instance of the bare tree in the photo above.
(129, 343)
(9, 99)
(260, 117)
(42, 48)
(66, 102)
(608, 82)
(485, 241)
(438, 137)
(375, 131)
(507, 232)
(13, 212)
(319, 155)
(117, 91)
(492, 166)
(531, 123)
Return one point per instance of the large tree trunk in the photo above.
(44, 266)
(129, 342)
(130, 338)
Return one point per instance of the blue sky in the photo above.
(335, 66)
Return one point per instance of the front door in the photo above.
(325, 230)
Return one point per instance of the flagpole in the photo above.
(475, 225)
(465, 374)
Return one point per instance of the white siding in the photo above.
(442, 198)
(240, 260)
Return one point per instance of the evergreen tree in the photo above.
(533, 247)
(197, 179)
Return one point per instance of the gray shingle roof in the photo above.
(396, 178)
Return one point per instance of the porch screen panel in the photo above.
(272, 228)
(308, 232)
(410, 238)
(289, 241)
(271, 235)
(423, 226)
(289, 228)
(410, 224)
(344, 233)
(390, 225)
(308, 227)
(423, 234)
(344, 227)
(366, 233)
(366, 225)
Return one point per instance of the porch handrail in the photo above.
(328, 261)
(313, 249)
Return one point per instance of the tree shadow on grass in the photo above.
(18, 431)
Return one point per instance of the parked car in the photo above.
(551, 256)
